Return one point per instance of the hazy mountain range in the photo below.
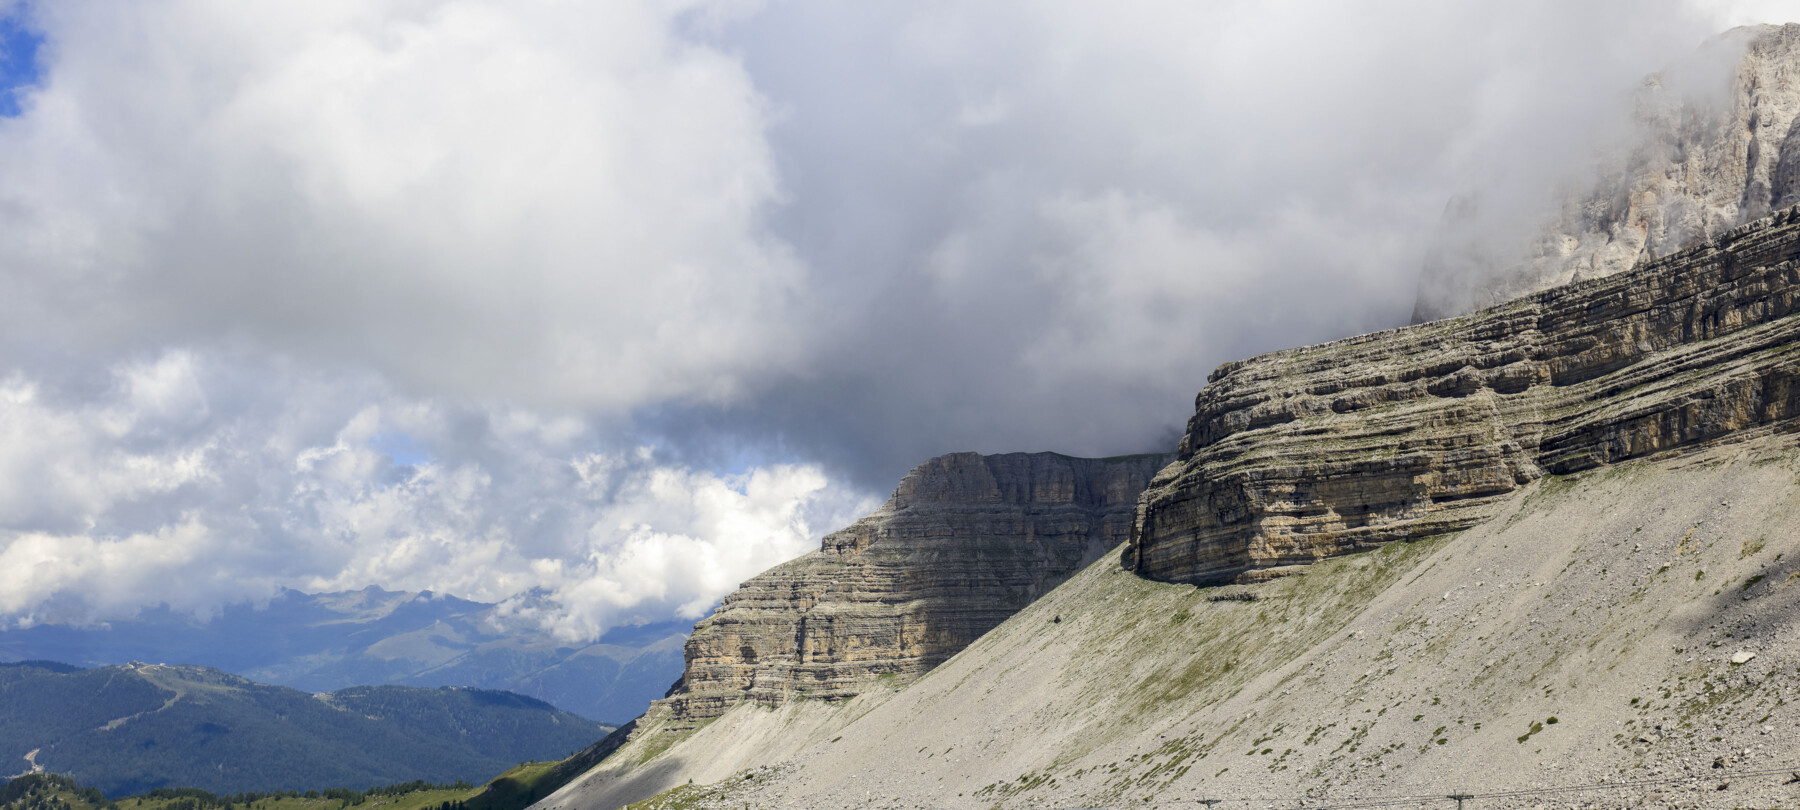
(132, 728)
(325, 642)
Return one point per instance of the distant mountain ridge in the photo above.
(128, 729)
(329, 641)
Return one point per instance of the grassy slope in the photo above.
(1611, 601)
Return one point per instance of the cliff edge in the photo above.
(1300, 455)
(965, 541)
(1600, 483)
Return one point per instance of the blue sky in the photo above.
(18, 59)
(405, 450)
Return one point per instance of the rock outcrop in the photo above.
(1714, 144)
(965, 541)
(1300, 455)
(1578, 649)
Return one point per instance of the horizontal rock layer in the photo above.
(965, 541)
(1594, 598)
(1304, 454)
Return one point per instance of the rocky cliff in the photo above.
(965, 541)
(1621, 637)
(1600, 482)
(1301, 455)
(1599, 606)
(1713, 144)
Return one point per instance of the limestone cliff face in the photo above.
(1304, 454)
(965, 541)
(1714, 145)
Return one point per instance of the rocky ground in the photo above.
(965, 541)
(1523, 554)
(1591, 632)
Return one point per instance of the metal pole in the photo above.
(1460, 798)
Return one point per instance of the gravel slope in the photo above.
(1586, 634)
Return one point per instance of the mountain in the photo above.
(1714, 143)
(322, 642)
(1540, 554)
(965, 541)
(129, 729)
(1314, 452)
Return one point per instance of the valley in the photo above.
(326, 641)
(126, 730)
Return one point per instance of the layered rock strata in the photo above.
(1309, 453)
(965, 541)
(1618, 600)
(1713, 144)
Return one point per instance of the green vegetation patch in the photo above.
(683, 797)
(1233, 643)
(57, 792)
(1535, 727)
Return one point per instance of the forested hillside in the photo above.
(129, 729)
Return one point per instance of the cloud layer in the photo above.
(626, 302)
(1039, 226)
(543, 201)
(172, 485)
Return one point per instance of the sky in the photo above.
(604, 308)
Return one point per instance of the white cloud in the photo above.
(561, 202)
(105, 509)
(1727, 13)
(676, 540)
(62, 462)
(110, 575)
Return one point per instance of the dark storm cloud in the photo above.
(1039, 226)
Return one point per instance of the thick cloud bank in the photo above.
(539, 200)
(177, 483)
(614, 305)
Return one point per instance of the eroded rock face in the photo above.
(965, 541)
(1309, 453)
(1714, 144)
